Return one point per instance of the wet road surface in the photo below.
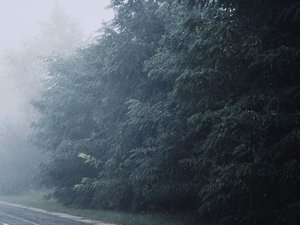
(11, 214)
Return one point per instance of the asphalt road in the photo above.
(11, 214)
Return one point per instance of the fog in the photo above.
(31, 31)
(22, 21)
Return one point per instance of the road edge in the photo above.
(61, 215)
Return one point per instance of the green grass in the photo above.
(36, 200)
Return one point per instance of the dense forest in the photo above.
(180, 106)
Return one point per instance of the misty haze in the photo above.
(150, 112)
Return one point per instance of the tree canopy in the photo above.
(181, 106)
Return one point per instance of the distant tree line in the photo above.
(22, 72)
(180, 106)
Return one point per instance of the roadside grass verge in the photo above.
(36, 200)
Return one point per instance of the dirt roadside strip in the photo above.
(60, 215)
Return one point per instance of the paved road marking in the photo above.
(60, 215)
(16, 218)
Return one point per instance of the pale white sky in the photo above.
(21, 20)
